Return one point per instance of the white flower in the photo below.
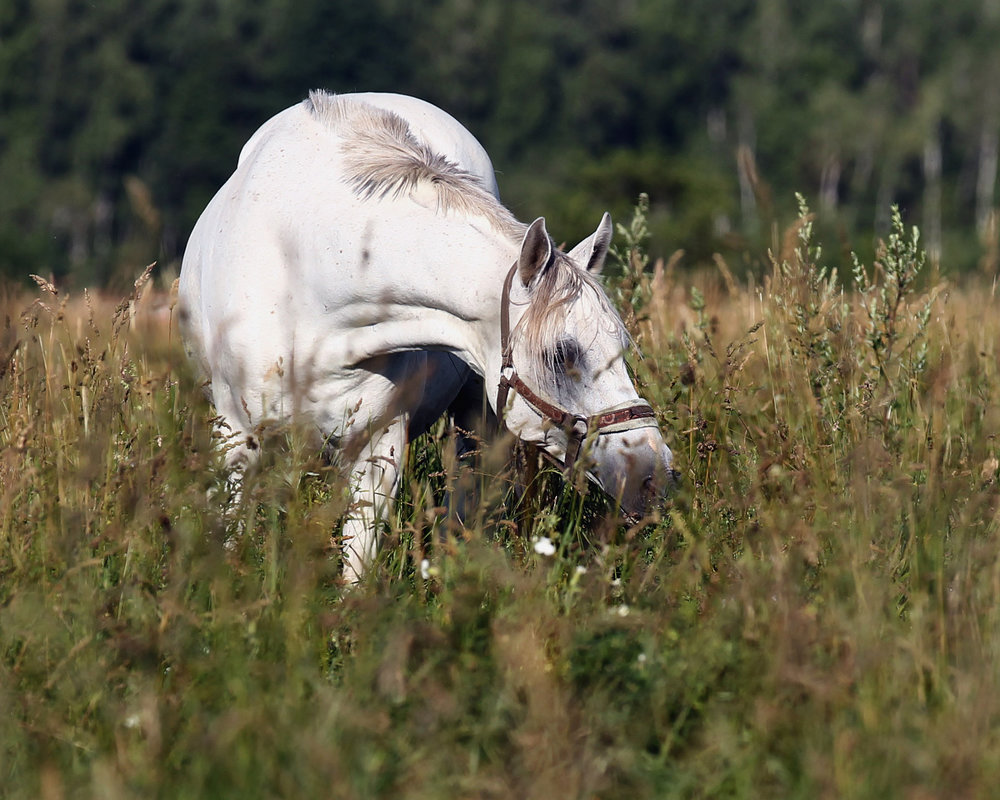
(623, 610)
(425, 569)
(581, 570)
(544, 546)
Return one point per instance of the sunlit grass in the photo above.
(814, 615)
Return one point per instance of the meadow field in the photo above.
(815, 614)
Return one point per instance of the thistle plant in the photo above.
(633, 290)
(807, 314)
(896, 339)
(816, 328)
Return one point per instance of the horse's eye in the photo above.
(566, 356)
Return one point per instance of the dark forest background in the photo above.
(119, 120)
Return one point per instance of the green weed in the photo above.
(813, 614)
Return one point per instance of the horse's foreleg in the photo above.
(375, 476)
(471, 423)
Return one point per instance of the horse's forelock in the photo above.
(544, 320)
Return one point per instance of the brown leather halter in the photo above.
(623, 417)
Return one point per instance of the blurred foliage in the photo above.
(119, 120)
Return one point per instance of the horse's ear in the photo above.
(536, 252)
(592, 251)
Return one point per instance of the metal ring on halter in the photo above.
(625, 416)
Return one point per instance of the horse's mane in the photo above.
(384, 159)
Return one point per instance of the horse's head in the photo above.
(564, 384)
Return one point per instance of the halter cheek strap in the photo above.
(625, 416)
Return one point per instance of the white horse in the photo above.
(355, 268)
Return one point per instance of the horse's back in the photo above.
(432, 125)
(288, 195)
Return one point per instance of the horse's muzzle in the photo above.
(636, 469)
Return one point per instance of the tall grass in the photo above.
(814, 615)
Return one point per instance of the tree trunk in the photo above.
(986, 182)
(747, 169)
(829, 184)
(932, 196)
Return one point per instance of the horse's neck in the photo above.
(446, 297)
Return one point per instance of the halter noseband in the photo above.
(623, 417)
